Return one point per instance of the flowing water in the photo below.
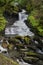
(19, 27)
(22, 62)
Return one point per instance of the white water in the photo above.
(2, 49)
(22, 62)
(19, 27)
(39, 51)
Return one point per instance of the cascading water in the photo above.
(19, 27)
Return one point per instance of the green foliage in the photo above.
(36, 20)
(6, 1)
(28, 7)
(40, 30)
(33, 17)
(33, 21)
(23, 3)
(5, 5)
(2, 23)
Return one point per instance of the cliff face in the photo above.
(6, 61)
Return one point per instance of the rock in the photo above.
(5, 45)
(23, 50)
(31, 59)
(14, 54)
(27, 40)
(10, 46)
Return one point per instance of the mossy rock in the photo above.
(14, 40)
(30, 59)
(31, 53)
(10, 47)
(6, 61)
(27, 40)
(23, 50)
(19, 37)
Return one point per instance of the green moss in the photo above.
(30, 53)
(26, 39)
(10, 46)
(40, 30)
(6, 61)
(19, 37)
(2, 23)
(30, 58)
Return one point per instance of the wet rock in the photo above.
(11, 18)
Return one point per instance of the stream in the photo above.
(19, 28)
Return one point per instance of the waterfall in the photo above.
(19, 27)
(22, 15)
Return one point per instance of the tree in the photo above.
(23, 3)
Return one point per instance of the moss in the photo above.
(26, 39)
(36, 21)
(14, 40)
(10, 46)
(6, 61)
(19, 37)
(2, 23)
(40, 30)
(30, 58)
(31, 53)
